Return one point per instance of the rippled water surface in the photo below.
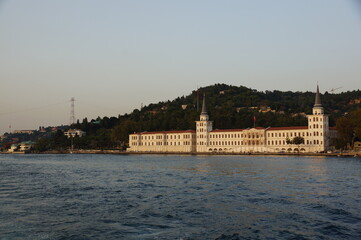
(179, 197)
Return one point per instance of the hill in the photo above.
(228, 107)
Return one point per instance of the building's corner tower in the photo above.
(203, 127)
(318, 127)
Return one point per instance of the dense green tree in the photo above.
(297, 140)
(42, 145)
(121, 132)
(345, 130)
(60, 141)
(349, 129)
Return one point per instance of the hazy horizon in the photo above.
(113, 56)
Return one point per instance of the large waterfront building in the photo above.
(317, 135)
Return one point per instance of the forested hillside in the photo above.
(228, 107)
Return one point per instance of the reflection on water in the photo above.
(179, 197)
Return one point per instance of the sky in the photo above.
(113, 56)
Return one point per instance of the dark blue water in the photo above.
(179, 197)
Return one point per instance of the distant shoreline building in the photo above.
(317, 136)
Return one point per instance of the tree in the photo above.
(349, 129)
(298, 140)
(355, 118)
(42, 145)
(345, 131)
(121, 132)
(59, 141)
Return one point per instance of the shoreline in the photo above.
(118, 152)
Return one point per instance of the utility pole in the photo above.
(72, 112)
(72, 144)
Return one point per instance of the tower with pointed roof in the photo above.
(318, 126)
(203, 127)
(317, 107)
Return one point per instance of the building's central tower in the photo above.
(203, 127)
(318, 127)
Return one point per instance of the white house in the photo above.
(13, 148)
(26, 146)
(74, 132)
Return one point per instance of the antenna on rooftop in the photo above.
(72, 112)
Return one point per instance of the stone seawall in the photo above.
(346, 154)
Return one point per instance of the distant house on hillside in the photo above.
(74, 132)
(265, 109)
(355, 101)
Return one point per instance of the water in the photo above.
(179, 197)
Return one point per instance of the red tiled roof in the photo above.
(167, 132)
(228, 130)
(287, 128)
(236, 130)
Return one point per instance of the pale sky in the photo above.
(114, 55)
